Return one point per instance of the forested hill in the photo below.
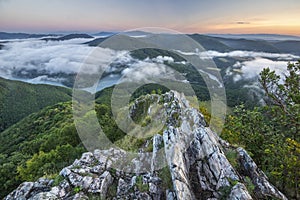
(19, 99)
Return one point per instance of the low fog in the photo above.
(39, 61)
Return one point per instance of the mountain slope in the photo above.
(195, 165)
(292, 47)
(249, 45)
(210, 43)
(46, 141)
(43, 135)
(19, 99)
(5, 36)
(96, 41)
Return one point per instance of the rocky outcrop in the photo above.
(263, 188)
(28, 190)
(197, 167)
(197, 163)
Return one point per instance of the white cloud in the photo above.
(251, 69)
(252, 54)
(52, 57)
(162, 59)
(147, 70)
(45, 79)
(242, 54)
(67, 57)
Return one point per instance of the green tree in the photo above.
(271, 132)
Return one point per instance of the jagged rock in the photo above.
(213, 169)
(194, 155)
(105, 183)
(44, 196)
(22, 192)
(195, 147)
(239, 192)
(123, 187)
(156, 157)
(29, 189)
(263, 188)
(170, 195)
(144, 195)
(79, 196)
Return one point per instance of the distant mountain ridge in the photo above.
(104, 34)
(268, 37)
(7, 36)
(226, 44)
(271, 43)
(248, 44)
(69, 37)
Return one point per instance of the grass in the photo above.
(130, 143)
(140, 185)
(231, 156)
(149, 148)
(249, 185)
(57, 180)
(146, 121)
(166, 178)
(77, 189)
(112, 190)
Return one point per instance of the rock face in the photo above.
(263, 187)
(197, 167)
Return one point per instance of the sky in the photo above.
(187, 16)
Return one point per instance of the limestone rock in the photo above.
(239, 192)
(192, 152)
(263, 188)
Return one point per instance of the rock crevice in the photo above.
(197, 167)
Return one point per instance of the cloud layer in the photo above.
(21, 58)
(251, 69)
(38, 61)
(241, 54)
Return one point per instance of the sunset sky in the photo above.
(188, 16)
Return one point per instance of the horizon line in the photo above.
(119, 31)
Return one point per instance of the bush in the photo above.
(272, 133)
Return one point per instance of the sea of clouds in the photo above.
(51, 58)
(256, 61)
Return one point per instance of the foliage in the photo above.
(48, 163)
(146, 121)
(148, 89)
(249, 185)
(231, 155)
(108, 124)
(57, 180)
(205, 113)
(271, 133)
(18, 99)
(77, 189)
(130, 143)
(143, 187)
(39, 145)
(165, 175)
(112, 190)
(44, 142)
